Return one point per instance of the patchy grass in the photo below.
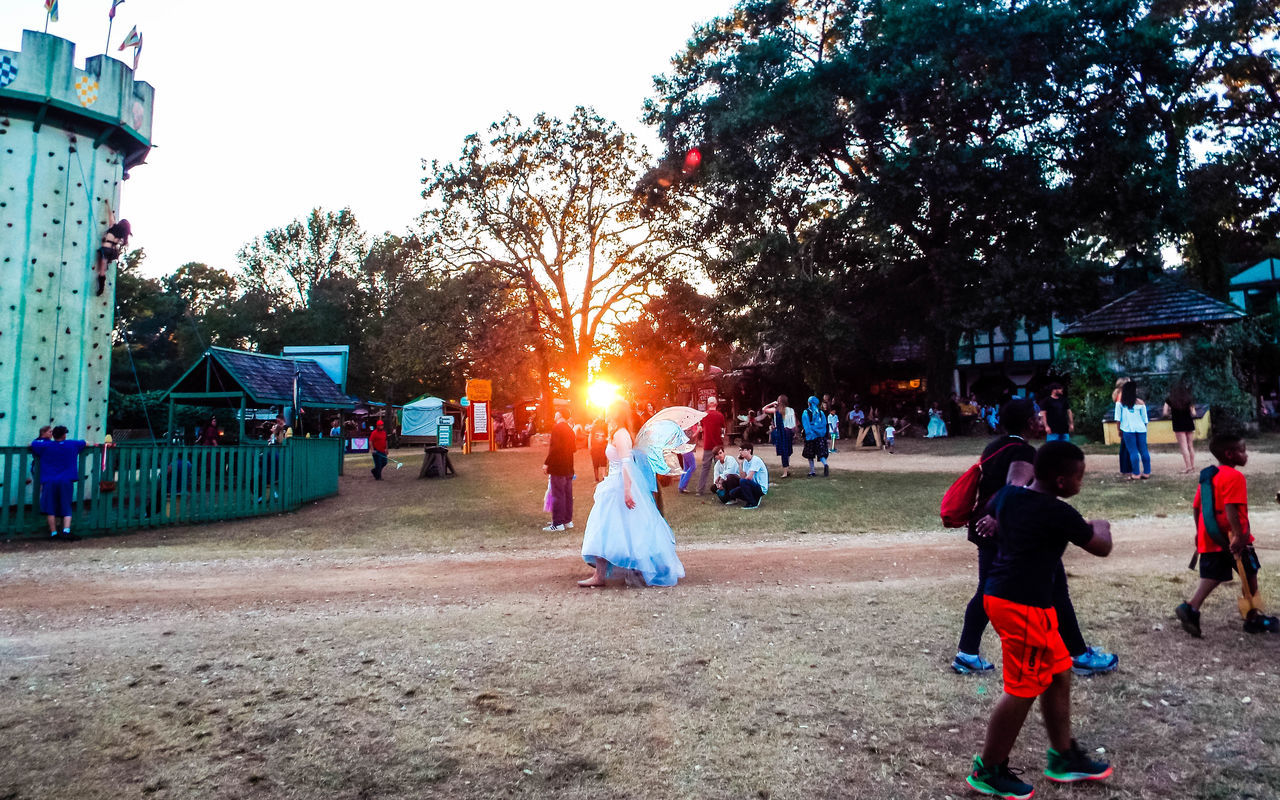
(496, 503)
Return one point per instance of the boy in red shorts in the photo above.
(1222, 532)
(1035, 529)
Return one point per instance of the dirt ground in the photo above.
(801, 667)
(1146, 545)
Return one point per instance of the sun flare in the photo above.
(602, 393)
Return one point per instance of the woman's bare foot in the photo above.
(592, 583)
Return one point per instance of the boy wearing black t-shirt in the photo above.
(1035, 527)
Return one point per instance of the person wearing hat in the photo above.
(712, 437)
(378, 446)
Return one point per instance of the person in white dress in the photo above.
(625, 530)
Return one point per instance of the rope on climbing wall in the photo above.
(142, 401)
(62, 268)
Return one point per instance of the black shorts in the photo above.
(814, 448)
(1219, 566)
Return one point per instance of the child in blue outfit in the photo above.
(59, 469)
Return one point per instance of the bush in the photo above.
(1088, 368)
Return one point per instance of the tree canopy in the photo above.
(550, 206)
(920, 168)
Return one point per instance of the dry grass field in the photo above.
(425, 639)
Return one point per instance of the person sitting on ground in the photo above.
(855, 420)
(724, 474)
(113, 243)
(59, 471)
(1035, 527)
(1223, 535)
(753, 481)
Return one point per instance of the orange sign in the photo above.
(480, 391)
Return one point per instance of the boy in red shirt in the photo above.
(1218, 548)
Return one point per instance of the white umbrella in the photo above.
(662, 437)
(683, 416)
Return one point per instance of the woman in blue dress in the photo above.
(625, 530)
(937, 426)
(784, 431)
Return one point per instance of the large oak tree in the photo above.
(551, 206)
(920, 168)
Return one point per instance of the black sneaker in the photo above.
(1190, 619)
(1073, 766)
(826, 470)
(1257, 622)
(998, 780)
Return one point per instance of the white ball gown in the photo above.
(636, 539)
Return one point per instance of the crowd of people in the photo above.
(1018, 522)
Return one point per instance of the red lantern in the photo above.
(692, 159)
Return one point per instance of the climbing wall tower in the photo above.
(68, 137)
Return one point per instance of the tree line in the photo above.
(871, 172)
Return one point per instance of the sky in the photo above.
(267, 108)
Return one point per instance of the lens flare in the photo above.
(602, 393)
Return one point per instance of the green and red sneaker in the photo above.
(1074, 765)
(998, 780)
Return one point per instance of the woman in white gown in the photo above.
(625, 530)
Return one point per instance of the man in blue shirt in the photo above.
(754, 481)
(59, 470)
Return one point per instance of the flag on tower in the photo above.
(112, 13)
(132, 40)
(137, 53)
(51, 9)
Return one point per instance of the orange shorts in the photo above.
(1031, 646)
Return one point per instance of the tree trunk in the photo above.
(940, 363)
(578, 382)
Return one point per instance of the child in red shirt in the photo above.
(1231, 513)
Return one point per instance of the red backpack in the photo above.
(959, 501)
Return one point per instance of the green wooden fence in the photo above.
(131, 486)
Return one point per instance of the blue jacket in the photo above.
(814, 421)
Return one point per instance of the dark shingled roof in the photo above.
(267, 380)
(1162, 305)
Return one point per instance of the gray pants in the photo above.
(704, 477)
(561, 499)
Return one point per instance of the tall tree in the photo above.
(287, 264)
(674, 335)
(550, 206)
(923, 168)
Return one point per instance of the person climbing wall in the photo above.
(113, 243)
